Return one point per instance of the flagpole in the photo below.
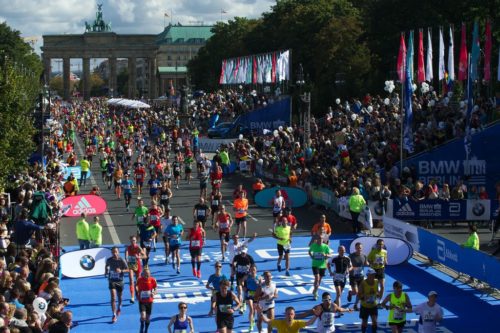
(401, 134)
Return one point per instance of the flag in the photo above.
(462, 63)
(420, 59)
(470, 102)
(222, 78)
(428, 69)
(474, 57)
(408, 116)
(401, 65)
(451, 58)
(441, 69)
(487, 53)
(409, 56)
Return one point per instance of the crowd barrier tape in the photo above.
(399, 251)
(474, 263)
(84, 263)
(294, 197)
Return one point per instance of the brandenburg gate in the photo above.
(99, 41)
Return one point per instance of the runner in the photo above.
(154, 184)
(223, 224)
(215, 280)
(175, 232)
(127, 185)
(283, 232)
(140, 175)
(203, 177)
(325, 312)
(182, 323)
(222, 302)
(140, 213)
(241, 264)
(155, 213)
(240, 207)
(291, 219)
(110, 170)
(342, 267)
(356, 274)
(216, 176)
(289, 324)
(319, 252)
(165, 221)
(147, 234)
(368, 293)
(201, 212)
(215, 203)
(196, 237)
(176, 166)
(252, 283)
(378, 260)
(322, 229)
(279, 204)
(234, 249)
(134, 253)
(265, 295)
(430, 313)
(188, 166)
(114, 269)
(399, 305)
(165, 195)
(238, 191)
(117, 180)
(146, 290)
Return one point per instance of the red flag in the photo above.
(420, 59)
(255, 67)
(487, 53)
(462, 64)
(401, 65)
(222, 72)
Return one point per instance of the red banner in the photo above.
(462, 65)
(89, 204)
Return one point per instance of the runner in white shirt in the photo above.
(235, 248)
(430, 313)
(165, 221)
(266, 293)
(278, 205)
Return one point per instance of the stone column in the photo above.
(47, 68)
(152, 78)
(66, 78)
(86, 78)
(112, 78)
(132, 78)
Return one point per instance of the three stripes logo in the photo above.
(405, 210)
(83, 206)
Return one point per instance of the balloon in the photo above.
(337, 101)
(370, 108)
(387, 101)
(40, 305)
(240, 137)
(280, 128)
(462, 104)
(353, 116)
(275, 133)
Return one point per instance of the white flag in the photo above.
(451, 58)
(498, 74)
(428, 68)
(441, 55)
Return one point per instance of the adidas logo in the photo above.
(405, 210)
(83, 206)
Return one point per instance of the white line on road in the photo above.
(250, 216)
(107, 218)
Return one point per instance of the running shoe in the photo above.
(114, 319)
(178, 270)
(132, 301)
(356, 307)
(315, 295)
(118, 312)
(287, 273)
(195, 273)
(173, 264)
(349, 297)
(252, 325)
(199, 274)
(279, 268)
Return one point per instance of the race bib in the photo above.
(241, 269)
(132, 260)
(145, 294)
(287, 246)
(398, 314)
(224, 225)
(140, 219)
(215, 202)
(113, 275)
(428, 317)
(201, 213)
(318, 256)
(328, 319)
(154, 218)
(147, 244)
(251, 293)
(379, 260)
(195, 243)
(339, 277)
(164, 197)
(371, 299)
(224, 308)
(358, 271)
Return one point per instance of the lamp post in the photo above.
(304, 117)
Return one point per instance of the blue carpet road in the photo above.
(466, 309)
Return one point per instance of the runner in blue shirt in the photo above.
(174, 233)
(127, 185)
(215, 280)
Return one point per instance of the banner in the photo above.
(448, 163)
(89, 204)
(270, 117)
(211, 145)
(376, 211)
(402, 230)
(76, 171)
(84, 263)
(439, 210)
(399, 251)
(294, 197)
(325, 197)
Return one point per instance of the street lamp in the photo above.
(305, 98)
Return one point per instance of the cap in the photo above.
(244, 250)
(370, 271)
(432, 293)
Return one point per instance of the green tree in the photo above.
(20, 71)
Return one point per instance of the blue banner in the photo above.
(441, 210)
(270, 117)
(325, 197)
(477, 264)
(448, 163)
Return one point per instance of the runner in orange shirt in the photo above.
(322, 229)
(146, 290)
(240, 207)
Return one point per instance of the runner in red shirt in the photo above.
(140, 175)
(146, 290)
(291, 219)
(133, 254)
(155, 213)
(223, 222)
(216, 176)
(196, 236)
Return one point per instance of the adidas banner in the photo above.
(84, 263)
(438, 210)
(78, 204)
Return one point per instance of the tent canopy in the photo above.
(129, 103)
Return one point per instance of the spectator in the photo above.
(95, 233)
(82, 232)
(356, 205)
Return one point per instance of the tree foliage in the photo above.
(20, 71)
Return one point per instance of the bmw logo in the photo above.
(87, 262)
(478, 209)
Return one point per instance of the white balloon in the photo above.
(414, 86)
(240, 137)
(354, 116)
(40, 305)
(275, 133)
(337, 101)
(370, 108)
(280, 128)
(387, 101)
(462, 104)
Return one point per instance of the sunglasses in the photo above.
(327, 299)
(218, 266)
(183, 307)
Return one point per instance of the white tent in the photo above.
(133, 104)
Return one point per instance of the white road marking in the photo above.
(107, 218)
